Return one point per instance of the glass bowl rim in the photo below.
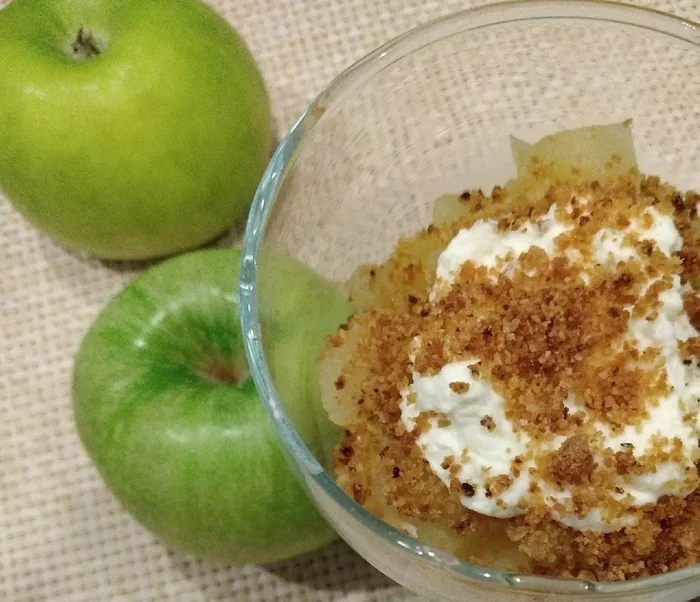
(283, 160)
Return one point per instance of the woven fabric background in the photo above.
(63, 538)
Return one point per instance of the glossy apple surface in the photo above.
(129, 129)
(166, 408)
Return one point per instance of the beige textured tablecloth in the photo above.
(63, 538)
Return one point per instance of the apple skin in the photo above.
(151, 147)
(195, 460)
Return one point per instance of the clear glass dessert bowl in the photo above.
(432, 112)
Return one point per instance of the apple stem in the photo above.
(224, 372)
(85, 46)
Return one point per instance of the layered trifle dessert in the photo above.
(519, 382)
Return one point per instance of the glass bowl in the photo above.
(432, 112)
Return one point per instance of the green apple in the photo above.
(166, 408)
(129, 128)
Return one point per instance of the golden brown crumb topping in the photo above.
(459, 387)
(542, 331)
(573, 462)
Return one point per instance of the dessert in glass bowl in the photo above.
(519, 383)
(430, 112)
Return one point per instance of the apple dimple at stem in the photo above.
(86, 45)
(224, 372)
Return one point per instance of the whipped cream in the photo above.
(483, 244)
(609, 245)
(488, 452)
(484, 453)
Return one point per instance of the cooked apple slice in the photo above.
(449, 208)
(340, 389)
(587, 153)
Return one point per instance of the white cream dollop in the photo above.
(483, 454)
(610, 245)
(489, 452)
(483, 244)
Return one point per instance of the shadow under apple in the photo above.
(333, 569)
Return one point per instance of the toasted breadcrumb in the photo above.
(573, 462)
(540, 333)
(459, 387)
